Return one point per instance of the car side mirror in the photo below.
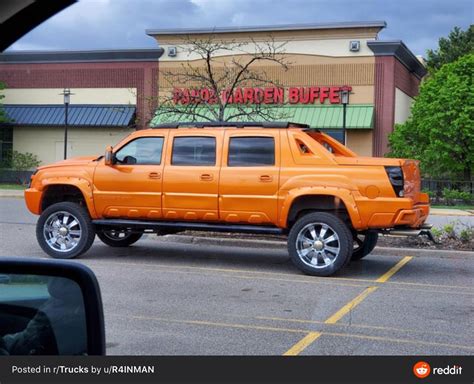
(109, 155)
(49, 307)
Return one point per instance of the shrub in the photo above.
(449, 230)
(453, 194)
(466, 235)
(24, 161)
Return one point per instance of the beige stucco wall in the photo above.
(403, 104)
(48, 143)
(80, 96)
(322, 47)
(360, 141)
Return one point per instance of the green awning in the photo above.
(359, 116)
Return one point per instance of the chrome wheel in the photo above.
(318, 245)
(62, 231)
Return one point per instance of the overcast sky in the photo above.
(106, 24)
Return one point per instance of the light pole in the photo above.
(344, 96)
(67, 98)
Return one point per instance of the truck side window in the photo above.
(194, 150)
(251, 151)
(142, 151)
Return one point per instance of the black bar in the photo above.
(239, 124)
(344, 111)
(65, 130)
(137, 224)
(235, 370)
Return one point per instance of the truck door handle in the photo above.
(266, 178)
(154, 175)
(206, 177)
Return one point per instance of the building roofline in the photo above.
(268, 28)
(109, 55)
(398, 49)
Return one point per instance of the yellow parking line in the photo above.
(349, 306)
(312, 280)
(302, 344)
(394, 269)
(397, 340)
(292, 330)
(216, 324)
(352, 325)
(354, 302)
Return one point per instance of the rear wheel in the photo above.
(320, 244)
(364, 243)
(119, 238)
(65, 230)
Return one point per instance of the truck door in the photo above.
(191, 175)
(131, 187)
(249, 180)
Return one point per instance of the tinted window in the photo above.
(251, 151)
(194, 150)
(146, 150)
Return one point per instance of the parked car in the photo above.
(265, 178)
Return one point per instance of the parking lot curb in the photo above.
(450, 212)
(12, 193)
(271, 244)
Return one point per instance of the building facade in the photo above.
(384, 78)
(105, 86)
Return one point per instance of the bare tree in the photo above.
(228, 75)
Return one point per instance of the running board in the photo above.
(425, 229)
(180, 225)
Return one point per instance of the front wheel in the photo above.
(320, 244)
(65, 230)
(119, 238)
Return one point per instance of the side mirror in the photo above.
(49, 307)
(109, 156)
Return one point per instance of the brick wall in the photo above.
(389, 74)
(140, 75)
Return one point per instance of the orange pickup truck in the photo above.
(265, 178)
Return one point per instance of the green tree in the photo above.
(440, 131)
(457, 44)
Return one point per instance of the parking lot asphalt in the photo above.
(171, 298)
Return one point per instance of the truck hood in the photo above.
(73, 161)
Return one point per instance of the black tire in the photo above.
(332, 261)
(113, 239)
(78, 225)
(364, 244)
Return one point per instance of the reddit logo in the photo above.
(421, 369)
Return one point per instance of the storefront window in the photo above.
(6, 146)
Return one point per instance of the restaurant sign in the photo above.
(269, 95)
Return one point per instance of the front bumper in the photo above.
(33, 200)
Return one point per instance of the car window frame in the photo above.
(163, 148)
(252, 165)
(172, 143)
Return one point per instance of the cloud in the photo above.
(101, 24)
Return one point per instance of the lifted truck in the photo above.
(266, 178)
